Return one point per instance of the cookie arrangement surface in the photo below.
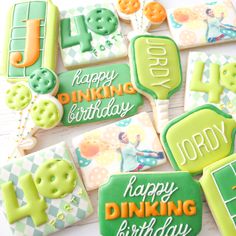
(42, 193)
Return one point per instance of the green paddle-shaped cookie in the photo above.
(156, 72)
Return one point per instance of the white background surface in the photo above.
(47, 138)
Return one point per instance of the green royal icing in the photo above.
(102, 21)
(228, 76)
(157, 192)
(18, 97)
(45, 114)
(42, 81)
(35, 205)
(55, 179)
(157, 68)
(87, 95)
(199, 138)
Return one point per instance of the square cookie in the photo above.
(127, 145)
(42, 193)
(90, 35)
(203, 23)
(209, 78)
(219, 185)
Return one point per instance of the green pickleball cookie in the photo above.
(228, 76)
(102, 21)
(42, 81)
(45, 114)
(18, 97)
(55, 178)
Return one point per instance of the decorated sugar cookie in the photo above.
(199, 138)
(150, 204)
(142, 13)
(204, 23)
(156, 72)
(211, 79)
(219, 185)
(30, 39)
(35, 106)
(97, 93)
(125, 146)
(42, 193)
(90, 35)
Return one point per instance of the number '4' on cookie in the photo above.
(211, 78)
(219, 185)
(30, 38)
(150, 204)
(199, 138)
(42, 193)
(90, 35)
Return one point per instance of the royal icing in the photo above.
(127, 145)
(35, 106)
(219, 185)
(211, 79)
(156, 72)
(142, 13)
(30, 41)
(53, 196)
(98, 93)
(90, 35)
(202, 24)
(193, 147)
(150, 204)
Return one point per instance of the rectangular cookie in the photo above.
(30, 39)
(203, 23)
(127, 145)
(42, 193)
(90, 35)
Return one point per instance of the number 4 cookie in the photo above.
(90, 35)
(35, 107)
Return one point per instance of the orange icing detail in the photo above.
(172, 208)
(32, 46)
(151, 209)
(82, 96)
(155, 12)
(116, 91)
(129, 6)
(96, 93)
(74, 97)
(124, 210)
(112, 211)
(107, 92)
(133, 209)
(64, 98)
(129, 88)
(88, 149)
(189, 208)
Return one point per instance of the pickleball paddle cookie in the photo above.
(211, 79)
(129, 145)
(97, 93)
(90, 35)
(156, 72)
(143, 14)
(42, 193)
(219, 185)
(30, 39)
(150, 204)
(35, 106)
(199, 138)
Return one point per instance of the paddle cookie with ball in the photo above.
(156, 72)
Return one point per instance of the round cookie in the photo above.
(102, 21)
(56, 178)
(43, 81)
(18, 97)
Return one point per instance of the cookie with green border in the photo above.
(199, 138)
(151, 203)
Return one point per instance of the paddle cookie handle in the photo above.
(162, 114)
